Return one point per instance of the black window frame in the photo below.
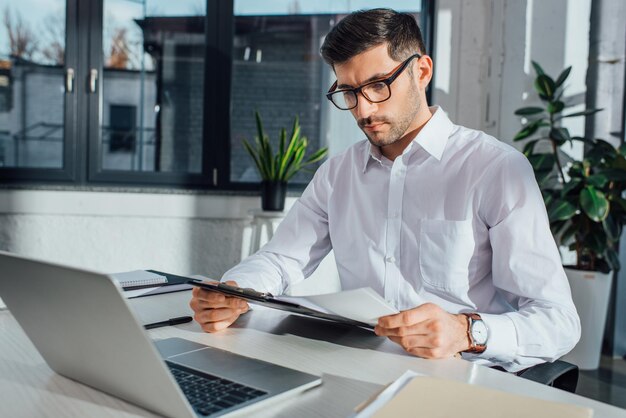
(83, 110)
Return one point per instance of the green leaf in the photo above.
(560, 135)
(596, 241)
(613, 259)
(614, 174)
(597, 180)
(570, 186)
(317, 156)
(538, 68)
(622, 150)
(601, 150)
(594, 203)
(542, 162)
(561, 210)
(544, 85)
(528, 111)
(253, 154)
(582, 113)
(529, 129)
(569, 233)
(611, 228)
(620, 201)
(563, 76)
(529, 148)
(555, 106)
(259, 125)
(282, 143)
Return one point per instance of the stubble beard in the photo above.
(397, 128)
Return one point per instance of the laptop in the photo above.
(80, 323)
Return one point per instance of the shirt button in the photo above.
(390, 259)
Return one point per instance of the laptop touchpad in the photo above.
(219, 362)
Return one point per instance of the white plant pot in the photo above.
(590, 292)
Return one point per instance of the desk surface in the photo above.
(354, 364)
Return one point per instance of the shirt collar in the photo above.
(433, 137)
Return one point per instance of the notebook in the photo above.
(431, 397)
(138, 278)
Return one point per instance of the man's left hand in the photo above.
(426, 331)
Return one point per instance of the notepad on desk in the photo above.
(139, 279)
(412, 396)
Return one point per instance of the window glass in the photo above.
(277, 70)
(153, 84)
(32, 79)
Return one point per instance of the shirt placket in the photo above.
(394, 225)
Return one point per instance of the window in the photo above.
(33, 103)
(122, 130)
(161, 93)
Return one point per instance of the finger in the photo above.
(228, 302)
(409, 317)
(220, 325)
(213, 326)
(429, 353)
(208, 295)
(412, 341)
(427, 346)
(417, 329)
(215, 315)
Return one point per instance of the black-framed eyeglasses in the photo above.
(376, 91)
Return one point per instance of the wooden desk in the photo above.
(354, 363)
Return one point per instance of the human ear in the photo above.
(424, 71)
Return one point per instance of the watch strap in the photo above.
(474, 347)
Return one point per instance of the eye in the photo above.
(380, 86)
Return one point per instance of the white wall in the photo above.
(483, 58)
(186, 234)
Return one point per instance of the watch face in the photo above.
(479, 332)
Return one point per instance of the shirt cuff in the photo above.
(502, 342)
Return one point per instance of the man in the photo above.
(444, 222)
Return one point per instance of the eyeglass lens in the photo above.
(374, 92)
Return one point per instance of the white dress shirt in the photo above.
(457, 220)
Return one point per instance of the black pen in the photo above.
(171, 321)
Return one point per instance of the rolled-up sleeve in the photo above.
(527, 271)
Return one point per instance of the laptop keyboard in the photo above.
(209, 394)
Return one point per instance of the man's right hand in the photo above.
(215, 311)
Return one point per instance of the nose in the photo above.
(364, 108)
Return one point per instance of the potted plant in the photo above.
(584, 203)
(276, 169)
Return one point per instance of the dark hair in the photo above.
(365, 29)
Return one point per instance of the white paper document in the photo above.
(363, 305)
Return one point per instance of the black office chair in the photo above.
(560, 374)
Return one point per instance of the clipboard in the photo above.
(268, 300)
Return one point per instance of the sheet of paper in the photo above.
(138, 292)
(161, 307)
(364, 304)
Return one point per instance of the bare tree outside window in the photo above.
(22, 40)
(54, 35)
